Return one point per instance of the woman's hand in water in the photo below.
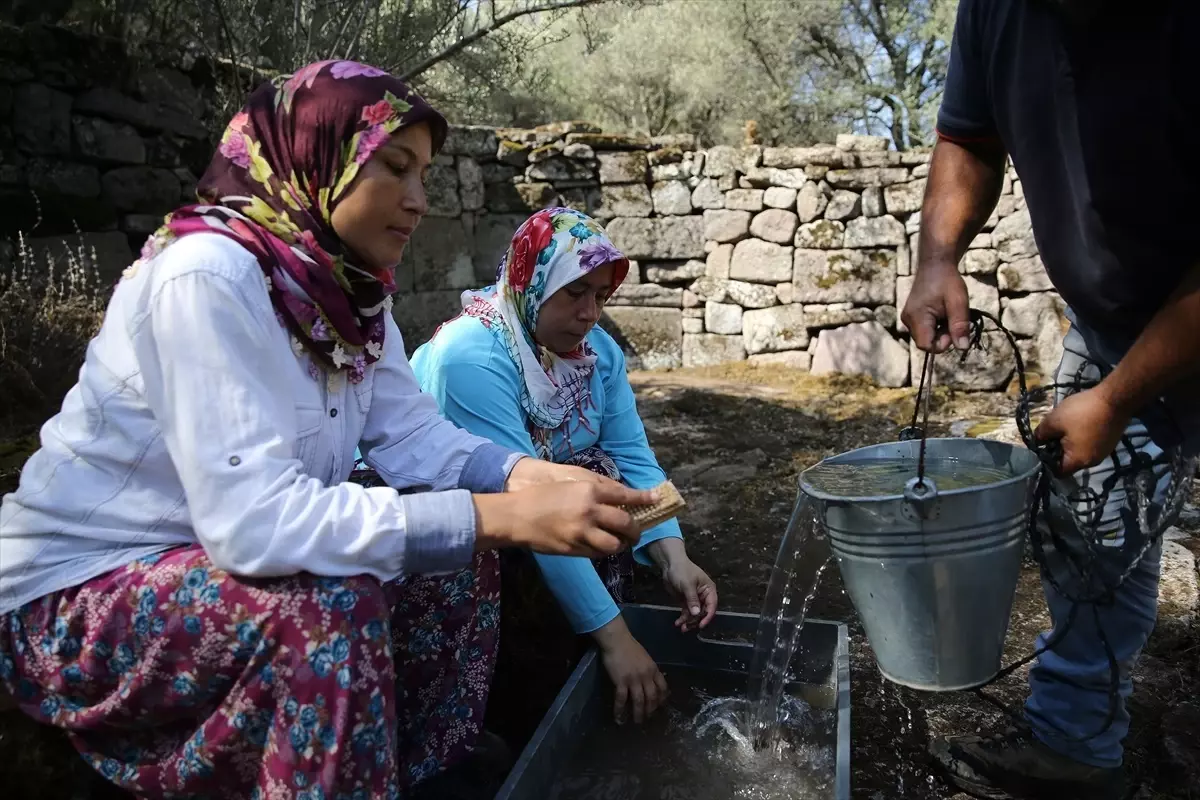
(639, 684)
(530, 472)
(686, 581)
(567, 519)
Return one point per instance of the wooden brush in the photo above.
(670, 504)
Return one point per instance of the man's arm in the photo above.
(1090, 423)
(964, 184)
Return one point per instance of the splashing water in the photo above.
(801, 561)
(887, 476)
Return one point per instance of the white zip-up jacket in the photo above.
(196, 419)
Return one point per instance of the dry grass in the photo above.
(50, 308)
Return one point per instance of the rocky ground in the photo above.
(733, 439)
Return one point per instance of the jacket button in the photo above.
(234, 461)
(333, 412)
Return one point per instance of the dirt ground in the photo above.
(733, 440)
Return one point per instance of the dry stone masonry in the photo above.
(782, 256)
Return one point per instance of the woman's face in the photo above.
(570, 313)
(386, 201)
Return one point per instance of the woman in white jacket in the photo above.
(188, 584)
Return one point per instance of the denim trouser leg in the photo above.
(1070, 686)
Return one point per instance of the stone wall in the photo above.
(95, 142)
(797, 256)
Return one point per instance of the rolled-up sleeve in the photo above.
(213, 384)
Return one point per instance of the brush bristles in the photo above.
(670, 504)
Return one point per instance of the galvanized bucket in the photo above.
(933, 573)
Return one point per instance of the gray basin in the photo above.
(821, 667)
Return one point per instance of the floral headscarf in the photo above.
(284, 162)
(553, 248)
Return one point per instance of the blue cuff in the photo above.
(487, 468)
(439, 531)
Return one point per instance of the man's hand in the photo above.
(636, 678)
(567, 519)
(938, 294)
(530, 472)
(1088, 425)
(696, 591)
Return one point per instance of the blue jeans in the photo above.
(1070, 685)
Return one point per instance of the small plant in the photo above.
(51, 305)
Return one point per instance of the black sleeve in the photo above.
(966, 110)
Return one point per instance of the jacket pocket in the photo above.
(309, 421)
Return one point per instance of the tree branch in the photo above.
(495, 24)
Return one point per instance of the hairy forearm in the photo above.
(1167, 350)
(963, 187)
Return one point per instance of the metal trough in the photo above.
(821, 667)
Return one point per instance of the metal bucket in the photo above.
(933, 573)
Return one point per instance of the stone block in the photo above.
(693, 324)
(788, 359)
(864, 178)
(108, 142)
(774, 225)
(779, 197)
(799, 157)
(45, 120)
(875, 232)
(418, 315)
(824, 234)
(64, 178)
(141, 189)
(887, 316)
(872, 202)
(672, 199)
(746, 295)
(546, 152)
(867, 277)
(771, 330)
(904, 198)
(920, 171)
(651, 338)
(718, 261)
(470, 183)
(675, 271)
(515, 154)
(1013, 237)
(707, 195)
(757, 261)
(864, 348)
(724, 160)
(811, 201)
(843, 205)
(441, 191)
(724, 318)
(684, 141)
(646, 294)
(503, 198)
(983, 370)
(579, 152)
(624, 200)
(630, 167)
(103, 101)
(473, 141)
(560, 169)
(711, 349)
(836, 315)
(979, 262)
(609, 141)
(726, 226)
(852, 143)
(490, 240)
(1026, 316)
(440, 253)
(744, 199)
(766, 177)
(1024, 275)
(664, 238)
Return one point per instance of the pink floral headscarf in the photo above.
(285, 161)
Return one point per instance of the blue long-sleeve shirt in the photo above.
(477, 385)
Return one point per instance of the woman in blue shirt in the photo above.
(525, 366)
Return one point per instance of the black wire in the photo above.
(1085, 565)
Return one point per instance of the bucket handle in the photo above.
(921, 492)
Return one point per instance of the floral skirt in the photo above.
(175, 678)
